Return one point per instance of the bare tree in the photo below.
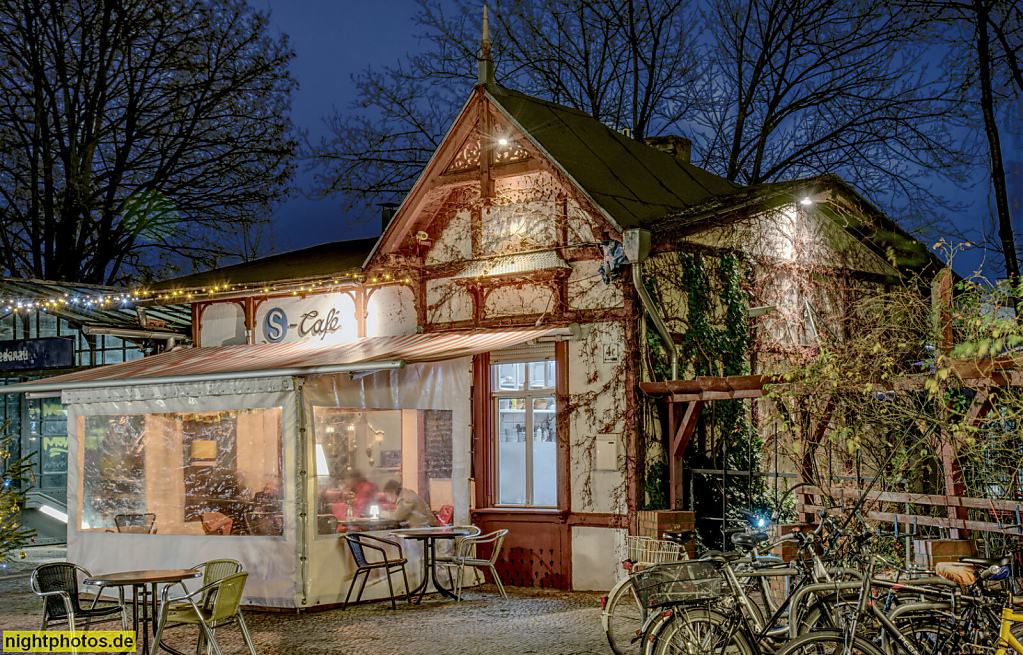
(982, 41)
(766, 89)
(804, 87)
(631, 63)
(137, 134)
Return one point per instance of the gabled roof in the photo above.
(630, 183)
(868, 224)
(320, 261)
(633, 183)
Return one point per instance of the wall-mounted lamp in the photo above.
(806, 201)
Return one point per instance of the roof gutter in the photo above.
(637, 248)
(130, 333)
(388, 365)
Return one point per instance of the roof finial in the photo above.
(486, 65)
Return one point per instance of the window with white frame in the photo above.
(525, 429)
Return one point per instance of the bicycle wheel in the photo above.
(929, 634)
(623, 616)
(699, 631)
(828, 642)
(829, 612)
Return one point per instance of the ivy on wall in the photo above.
(716, 342)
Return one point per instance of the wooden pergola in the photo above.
(686, 400)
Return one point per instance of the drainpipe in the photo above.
(637, 247)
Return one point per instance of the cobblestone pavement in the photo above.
(531, 621)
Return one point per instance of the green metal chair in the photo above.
(210, 607)
(212, 571)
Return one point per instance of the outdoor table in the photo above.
(367, 524)
(429, 537)
(138, 580)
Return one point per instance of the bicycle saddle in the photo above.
(749, 539)
(985, 562)
(718, 556)
(681, 538)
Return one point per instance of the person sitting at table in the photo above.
(268, 499)
(361, 493)
(409, 507)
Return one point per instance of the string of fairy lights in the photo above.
(126, 299)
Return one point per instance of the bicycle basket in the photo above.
(647, 550)
(678, 582)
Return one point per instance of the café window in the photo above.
(213, 472)
(525, 430)
(358, 451)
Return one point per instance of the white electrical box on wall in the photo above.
(607, 451)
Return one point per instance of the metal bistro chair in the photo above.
(326, 524)
(211, 607)
(466, 556)
(136, 523)
(357, 542)
(452, 549)
(214, 570)
(58, 585)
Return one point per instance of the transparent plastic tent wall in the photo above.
(262, 461)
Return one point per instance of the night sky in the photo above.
(332, 39)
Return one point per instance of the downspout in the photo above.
(637, 247)
(301, 493)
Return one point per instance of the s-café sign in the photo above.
(31, 354)
(329, 318)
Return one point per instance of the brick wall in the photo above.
(928, 552)
(654, 523)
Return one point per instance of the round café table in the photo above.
(429, 537)
(138, 580)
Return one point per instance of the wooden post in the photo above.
(679, 441)
(941, 315)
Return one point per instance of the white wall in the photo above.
(223, 324)
(597, 555)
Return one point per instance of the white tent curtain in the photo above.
(439, 391)
(265, 408)
(169, 432)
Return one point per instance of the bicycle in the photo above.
(670, 630)
(622, 614)
(1006, 638)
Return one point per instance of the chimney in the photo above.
(387, 211)
(678, 147)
